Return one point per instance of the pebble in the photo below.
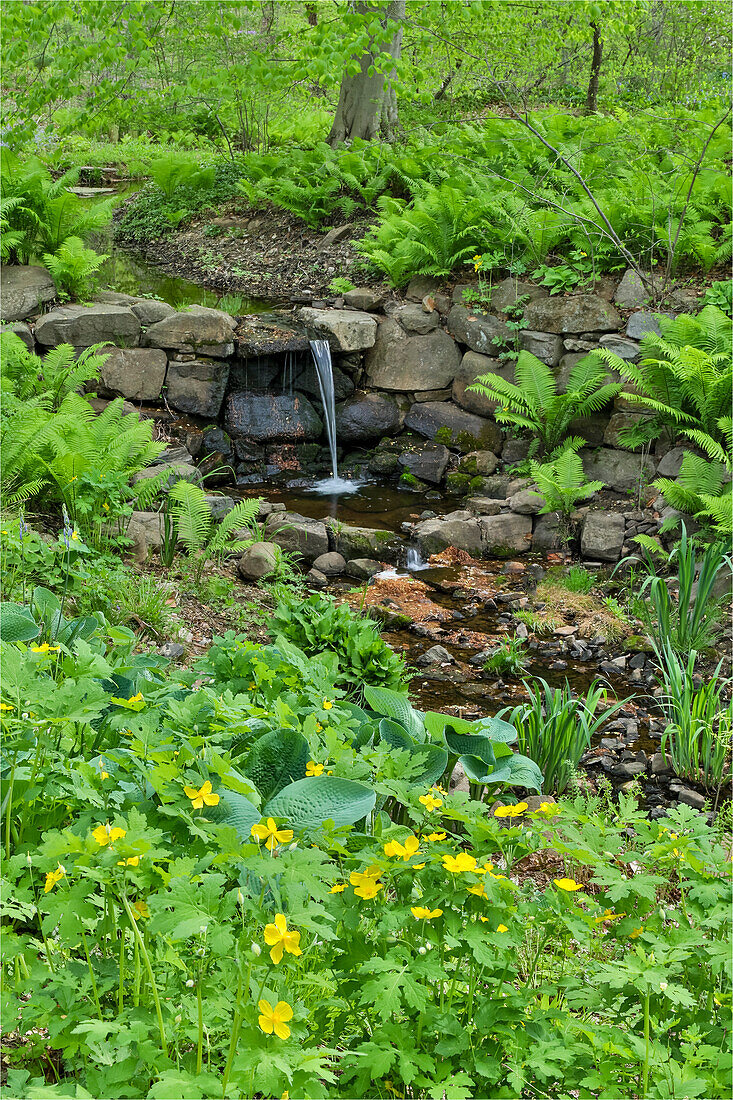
(172, 650)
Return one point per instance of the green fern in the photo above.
(73, 266)
(561, 481)
(196, 530)
(702, 490)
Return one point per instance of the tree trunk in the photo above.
(367, 106)
(595, 71)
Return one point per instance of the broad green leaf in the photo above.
(236, 810)
(435, 758)
(496, 729)
(463, 744)
(393, 705)
(517, 771)
(16, 623)
(395, 735)
(310, 802)
(276, 759)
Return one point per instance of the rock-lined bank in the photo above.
(404, 413)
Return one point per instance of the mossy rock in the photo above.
(390, 619)
(469, 465)
(409, 481)
(637, 643)
(457, 482)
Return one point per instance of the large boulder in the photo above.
(145, 530)
(258, 561)
(83, 326)
(416, 320)
(198, 330)
(602, 536)
(345, 329)
(619, 470)
(364, 542)
(150, 311)
(197, 386)
(407, 363)
(631, 292)
(460, 428)
(427, 464)
(461, 530)
(175, 471)
(621, 346)
(23, 291)
(265, 417)
(642, 322)
(505, 534)
(578, 313)
(368, 416)
(137, 373)
(297, 534)
(546, 346)
(306, 381)
(472, 367)
(671, 463)
(505, 294)
(481, 332)
(363, 298)
(621, 422)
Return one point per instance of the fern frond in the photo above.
(191, 515)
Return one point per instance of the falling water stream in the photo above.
(334, 485)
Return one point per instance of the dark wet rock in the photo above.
(368, 416)
(197, 386)
(473, 366)
(479, 463)
(330, 564)
(262, 417)
(436, 655)
(429, 463)
(137, 373)
(400, 362)
(83, 326)
(197, 330)
(24, 290)
(460, 428)
(619, 424)
(515, 450)
(419, 286)
(481, 332)
(298, 534)
(316, 579)
(495, 486)
(671, 463)
(687, 795)
(546, 346)
(384, 463)
(307, 382)
(258, 561)
(362, 569)
(576, 313)
(216, 440)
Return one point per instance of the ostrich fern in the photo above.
(196, 529)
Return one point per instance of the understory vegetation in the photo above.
(241, 858)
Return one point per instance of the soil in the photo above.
(266, 254)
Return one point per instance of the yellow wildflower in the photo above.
(511, 811)
(338, 888)
(568, 884)
(53, 877)
(140, 909)
(405, 851)
(275, 1019)
(271, 833)
(279, 939)
(201, 796)
(459, 864)
(107, 834)
(45, 648)
(501, 928)
(327, 704)
(430, 803)
(479, 890)
(609, 915)
(419, 912)
(312, 768)
(435, 836)
(104, 774)
(131, 861)
(6, 706)
(365, 883)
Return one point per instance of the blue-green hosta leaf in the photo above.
(16, 623)
(236, 810)
(517, 771)
(435, 758)
(276, 759)
(435, 723)
(476, 769)
(310, 802)
(364, 735)
(395, 735)
(393, 705)
(496, 729)
(470, 745)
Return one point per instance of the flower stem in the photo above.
(149, 968)
(91, 975)
(645, 1069)
(200, 1043)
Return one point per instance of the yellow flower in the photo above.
(511, 811)
(271, 833)
(319, 727)
(405, 851)
(435, 836)
(106, 834)
(479, 890)
(419, 912)
(327, 704)
(568, 884)
(104, 774)
(6, 706)
(75, 536)
(548, 808)
(338, 888)
(45, 648)
(140, 909)
(501, 928)
(275, 1019)
(499, 878)
(609, 915)
(636, 932)
(53, 877)
(131, 861)
(485, 869)
(312, 768)
(201, 796)
(430, 803)
(106, 506)
(365, 883)
(459, 864)
(279, 939)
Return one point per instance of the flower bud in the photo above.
(256, 950)
(28, 859)
(240, 897)
(422, 950)
(190, 983)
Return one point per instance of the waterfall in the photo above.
(415, 560)
(324, 369)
